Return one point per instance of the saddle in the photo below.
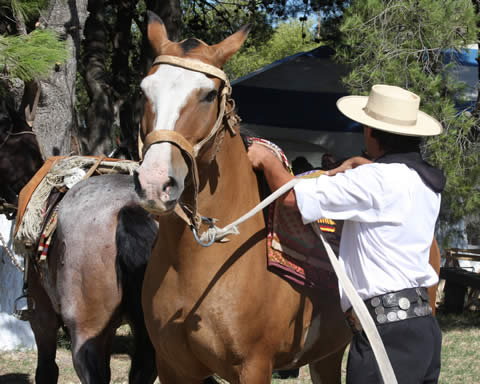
(294, 251)
(38, 200)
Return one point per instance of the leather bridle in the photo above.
(227, 118)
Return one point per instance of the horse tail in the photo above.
(136, 232)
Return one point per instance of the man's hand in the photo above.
(263, 159)
(260, 156)
(351, 163)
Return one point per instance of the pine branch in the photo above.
(31, 56)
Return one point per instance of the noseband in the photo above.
(226, 118)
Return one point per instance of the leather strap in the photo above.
(194, 65)
(186, 148)
(94, 167)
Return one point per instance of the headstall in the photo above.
(227, 118)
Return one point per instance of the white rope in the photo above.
(10, 254)
(358, 305)
(232, 229)
(362, 313)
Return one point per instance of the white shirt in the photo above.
(390, 217)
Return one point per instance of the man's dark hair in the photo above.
(390, 142)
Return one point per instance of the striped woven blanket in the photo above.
(295, 252)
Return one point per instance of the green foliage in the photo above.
(402, 43)
(31, 56)
(26, 10)
(214, 21)
(286, 40)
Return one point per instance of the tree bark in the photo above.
(122, 46)
(55, 115)
(97, 139)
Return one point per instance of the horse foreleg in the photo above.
(45, 323)
(328, 370)
(91, 355)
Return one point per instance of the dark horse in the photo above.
(92, 279)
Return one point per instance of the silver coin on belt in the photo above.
(379, 310)
(402, 315)
(381, 318)
(404, 303)
(392, 316)
(375, 302)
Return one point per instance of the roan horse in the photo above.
(95, 265)
(217, 309)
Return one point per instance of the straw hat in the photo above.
(392, 109)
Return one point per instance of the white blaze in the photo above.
(168, 90)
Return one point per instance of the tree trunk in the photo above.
(55, 114)
(122, 45)
(98, 138)
(476, 3)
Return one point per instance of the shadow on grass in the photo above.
(464, 321)
(14, 378)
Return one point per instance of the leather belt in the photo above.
(393, 306)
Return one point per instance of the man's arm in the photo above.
(351, 163)
(263, 159)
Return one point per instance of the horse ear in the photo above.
(228, 47)
(156, 32)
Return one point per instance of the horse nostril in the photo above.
(170, 184)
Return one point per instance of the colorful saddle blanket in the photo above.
(295, 252)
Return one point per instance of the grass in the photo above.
(460, 356)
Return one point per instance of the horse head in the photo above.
(20, 154)
(186, 99)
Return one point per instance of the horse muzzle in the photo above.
(158, 194)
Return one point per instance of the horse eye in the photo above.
(211, 96)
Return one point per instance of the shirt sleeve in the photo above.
(369, 193)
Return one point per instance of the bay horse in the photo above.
(94, 271)
(217, 309)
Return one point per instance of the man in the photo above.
(390, 206)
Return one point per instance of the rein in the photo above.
(10, 133)
(226, 119)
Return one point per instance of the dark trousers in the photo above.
(413, 347)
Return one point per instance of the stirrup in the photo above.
(27, 307)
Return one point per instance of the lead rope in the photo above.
(218, 234)
(10, 254)
(362, 313)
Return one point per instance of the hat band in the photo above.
(386, 119)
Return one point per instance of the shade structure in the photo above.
(292, 102)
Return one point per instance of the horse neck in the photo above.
(232, 188)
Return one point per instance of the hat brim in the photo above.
(354, 108)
